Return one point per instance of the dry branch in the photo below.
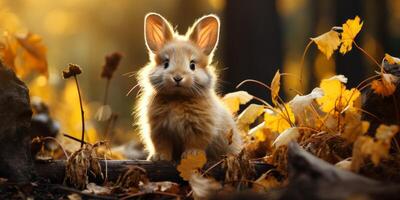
(157, 171)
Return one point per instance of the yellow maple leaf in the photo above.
(279, 119)
(249, 115)
(336, 96)
(327, 43)
(275, 86)
(391, 60)
(191, 162)
(235, 99)
(350, 30)
(33, 56)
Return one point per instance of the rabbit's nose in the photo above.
(178, 78)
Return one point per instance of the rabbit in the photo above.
(178, 109)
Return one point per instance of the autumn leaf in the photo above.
(392, 60)
(353, 125)
(378, 149)
(327, 43)
(344, 164)
(235, 99)
(386, 133)
(249, 115)
(278, 119)
(336, 96)
(286, 136)
(300, 102)
(275, 86)
(259, 132)
(191, 162)
(386, 86)
(350, 30)
(8, 51)
(33, 57)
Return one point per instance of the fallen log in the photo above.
(54, 170)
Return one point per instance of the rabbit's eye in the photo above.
(166, 64)
(192, 65)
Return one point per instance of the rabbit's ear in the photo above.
(157, 31)
(205, 33)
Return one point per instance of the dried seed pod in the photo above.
(112, 62)
(73, 70)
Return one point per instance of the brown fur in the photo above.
(187, 116)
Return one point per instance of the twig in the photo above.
(74, 138)
(106, 92)
(82, 112)
(369, 56)
(154, 192)
(302, 63)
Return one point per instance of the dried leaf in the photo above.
(92, 188)
(259, 132)
(350, 30)
(275, 86)
(74, 196)
(386, 86)
(203, 187)
(249, 115)
(162, 186)
(286, 136)
(80, 163)
(192, 161)
(103, 113)
(237, 167)
(132, 177)
(8, 51)
(386, 133)
(279, 119)
(366, 146)
(328, 42)
(336, 96)
(235, 99)
(344, 164)
(33, 55)
(300, 103)
(391, 59)
(353, 125)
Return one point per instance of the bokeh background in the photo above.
(258, 37)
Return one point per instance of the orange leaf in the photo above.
(386, 86)
(8, 51)
(191, 162)
(391, 60)
(33, 56)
